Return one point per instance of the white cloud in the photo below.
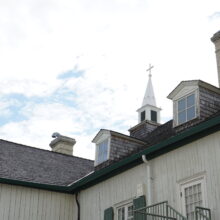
(42, 121)
(4, 108)
(113, 42)
(28, 87)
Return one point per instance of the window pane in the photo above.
(191, 113)
(181, 105)
(130, 211)
(125, 212)
(192, 199)
(186, 109)
(143, 116)
(182, 117)
(191, 100)
(103, 151)
(121, 213)
(153, 116)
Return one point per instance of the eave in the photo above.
(198, 83)
(63, 189)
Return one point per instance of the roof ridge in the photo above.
(41, 149)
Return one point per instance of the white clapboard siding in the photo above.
(123, 187)
(198, 157)
(168, 170)
(23, 203)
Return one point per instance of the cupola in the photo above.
(148, 113)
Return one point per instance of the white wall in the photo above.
(23, 203)
(168, 170)
(199, 157)
(96, 199)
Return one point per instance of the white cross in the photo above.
(149, 69)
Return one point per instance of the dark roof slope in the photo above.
(19, 162)
(166, 131)
(161, 133)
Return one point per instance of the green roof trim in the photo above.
(201, 130)
(35, 185)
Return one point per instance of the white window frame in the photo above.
(200, 178)
(176, 103)
(125, 205)
(186, 108)
(104, 138)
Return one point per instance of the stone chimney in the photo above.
(62, 144)
(216, 40)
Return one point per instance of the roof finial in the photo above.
(149, 69)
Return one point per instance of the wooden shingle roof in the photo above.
(20, 162)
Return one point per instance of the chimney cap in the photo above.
(215, 37)
(64, 139)
(56, 135)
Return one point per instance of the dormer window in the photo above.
(102, 141)
(189, 99)
(102, 151)
(186, 109)
(112, 146)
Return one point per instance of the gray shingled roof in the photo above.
(166, 130)
(19, 162)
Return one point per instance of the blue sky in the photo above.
(75, 67)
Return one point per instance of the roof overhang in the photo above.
(192, 83)
(150, 106)
(102, 134)
(106, 133)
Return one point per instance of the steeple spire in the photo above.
(149, 111)
(149, 97)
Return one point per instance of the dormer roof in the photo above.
(189, 86)
(105, 132)
(102, 134)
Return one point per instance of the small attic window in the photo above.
(102, 151)
(186, 109)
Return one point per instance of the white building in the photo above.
(159, 171)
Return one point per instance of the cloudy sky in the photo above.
(76, 66)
